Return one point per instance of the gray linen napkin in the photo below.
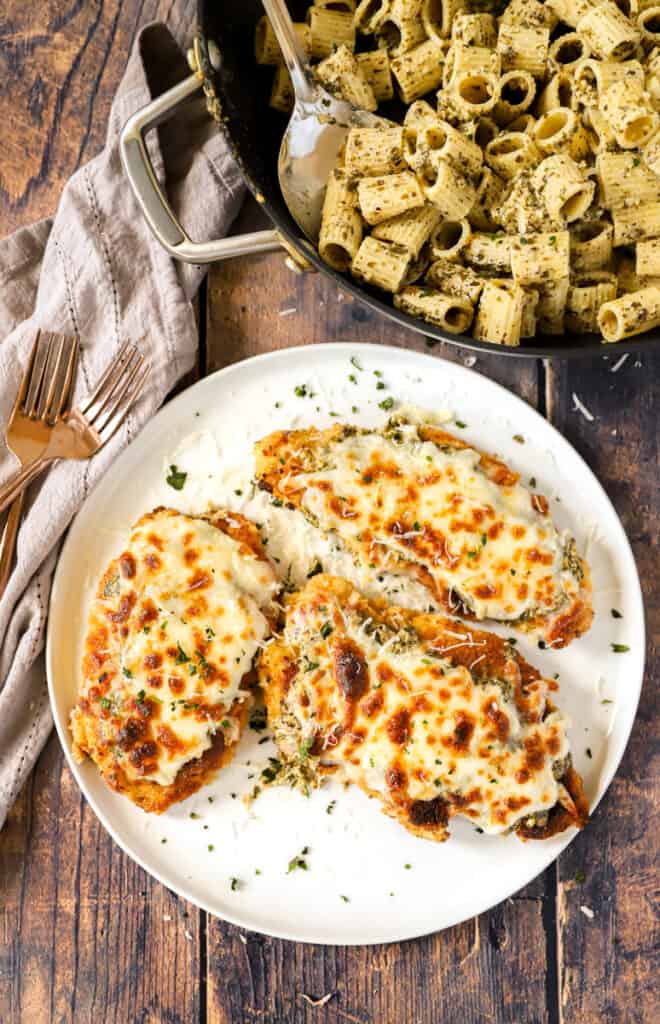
(95, 270)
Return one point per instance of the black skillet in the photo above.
(237, 92)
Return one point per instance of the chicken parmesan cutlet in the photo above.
(167, 668)
(415, 500)
(433, 718)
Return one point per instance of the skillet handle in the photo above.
(154, 203)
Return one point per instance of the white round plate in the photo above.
(367, 879)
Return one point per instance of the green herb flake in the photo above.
(518, 438)
(298, 863)
(315, 570)
(326, 630)
(194, 815)
(127, 672)
(532, 481)
(619, 648)
(588, 753)
(300, 391)
(331, 806)
(234, 884)
(105, 703)
(616, 614)
(344, 898)
(355, 363)
(176, 478)
(460, 424)
(386, 404)
(580, 876)
(181, 656)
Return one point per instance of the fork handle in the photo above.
(18, 483)
(8, 543)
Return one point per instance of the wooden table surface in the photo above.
(85, 934)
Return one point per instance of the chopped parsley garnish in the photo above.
(309, 664)
(270, 773)
(235, 883)
(386, 404)
(298, 862)
(407, 866)
(472, 554)
(605, 701)
(380, 385)
(532, 481)
(176, 478)
(258, 720)
(194, 815)
(225, 723)
(588, 753)
(460, 424)
(378, 373)
(211, 847)
(127, 672)
(484, 539)
(181, 656)
(331, 806)
(519, 438)
(580, 876)
(616, 614)
(619, 648)
(300, 391)
(105, 703)
(352, 378)
(354, 362)
(344, 898)
(209, 633)
(326, 629)
(315, 570)
(304, 749)
(140, 696)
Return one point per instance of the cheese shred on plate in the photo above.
(416, 500)
(172, 634)
(432, 717)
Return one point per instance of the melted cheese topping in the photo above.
(395, 496)
(173, 631)
(422, 726)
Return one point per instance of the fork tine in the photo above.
(122, 388)
(113, 386)
(38, 365)
(27, 375)
(51, 371)
(107, 374)
(61, 392)
(113, 424)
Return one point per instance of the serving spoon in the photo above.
(316, 132)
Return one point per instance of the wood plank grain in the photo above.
(61, 63)
(87, 935)
(492, 969)
(609, 964)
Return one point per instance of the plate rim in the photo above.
(355, 348)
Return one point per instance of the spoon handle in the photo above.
(292, 51)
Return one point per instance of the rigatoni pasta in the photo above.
(518, 190)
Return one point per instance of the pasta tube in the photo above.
(586, 294)
(341, 223)
(383, 264)
(411, 229)
(566, 192)
(384, 197)
(446, 311)
(537, 259)
(630, 314)
(374, 151)
(500, 313)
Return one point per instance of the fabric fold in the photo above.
(96, 270)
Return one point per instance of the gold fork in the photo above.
(42, 398)
(82, 432)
